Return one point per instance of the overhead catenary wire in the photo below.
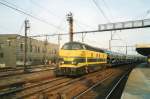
(108, 8)
(101, 10)
(112, 33)
(107, 19)
(50, 12)
(46, 9)
(83, 24)
(83, 34)
(30, 15)
(147, 13)
(20, 29)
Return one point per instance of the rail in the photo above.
(76, 97)
(4, 72)
(115, 86)
(64, 87)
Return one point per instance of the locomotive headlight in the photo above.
(74, 63)
(62, 62)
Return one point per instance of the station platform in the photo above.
(138, 84)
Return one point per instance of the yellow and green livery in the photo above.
(78, 58)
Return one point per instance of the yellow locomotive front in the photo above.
(78, 58)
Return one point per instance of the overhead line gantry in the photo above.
(145, 23)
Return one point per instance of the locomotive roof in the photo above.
(96, 48)
(102, 50)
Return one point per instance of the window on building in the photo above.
(52, 51)
(1, 55)
(27, 48)
(21, 59)
(30, 48)
(9, 43)
(35, 50)
(55, 51)
(46, 50)
(43, 50)
(21, 47)
(38, 49)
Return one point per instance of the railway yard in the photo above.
(74, 49)
(41, 83)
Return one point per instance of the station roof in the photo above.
(143, 49)
(142, 45)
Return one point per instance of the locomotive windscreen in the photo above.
(72, 46)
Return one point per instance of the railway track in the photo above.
(48, 87)
(114, 87)
(4, 72)
(13, 81)
(61, 87)
(90, 88)
(31, 88)
(76, 88)
(22, 68)
(18, 68)
(105, 88)
(71, 86)
(117, 86)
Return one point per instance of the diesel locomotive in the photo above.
(78, 58)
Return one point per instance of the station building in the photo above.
(12, 48)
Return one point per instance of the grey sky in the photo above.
(86, 15)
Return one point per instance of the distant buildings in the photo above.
(38, 52)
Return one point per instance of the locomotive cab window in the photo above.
(72, 46)
(76, 46)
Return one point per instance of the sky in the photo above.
(87, 16)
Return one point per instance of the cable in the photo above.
(100, 9)
(49, 12)
(61, 25)
(80, 24)
(147, 13)
(30, 15)
(93, 31)
(108, 8)
(38, 5)
(86, 25)
(22, 26)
